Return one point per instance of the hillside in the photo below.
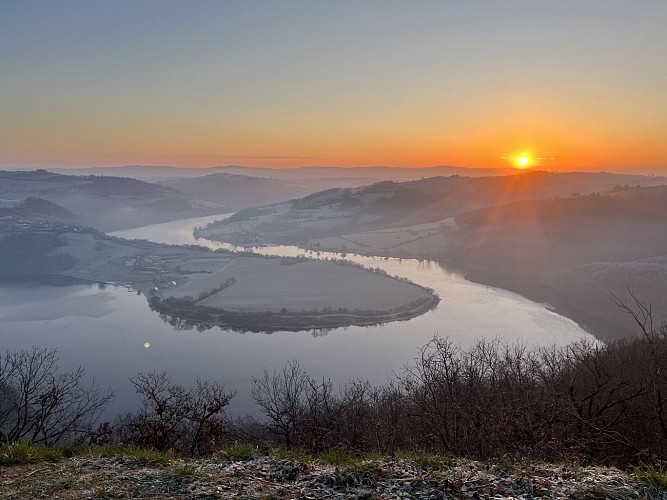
(387, 204)
(105, 203)
(37, 208)
(589, 248)
(531, 236)
(238, 191)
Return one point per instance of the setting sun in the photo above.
(523, 162)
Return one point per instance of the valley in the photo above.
(576, 241)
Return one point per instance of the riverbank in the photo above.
(187, 314)
(265, 477)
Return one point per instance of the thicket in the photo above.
(600, 403)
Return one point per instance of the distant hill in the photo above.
(531, 235)
(315, 178)
(388, 204)
(105, 203)
(238, 191)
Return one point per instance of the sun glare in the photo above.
(522, 162)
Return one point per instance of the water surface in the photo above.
(105, 330)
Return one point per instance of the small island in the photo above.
(238, 290)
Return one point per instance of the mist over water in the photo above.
(104, 330)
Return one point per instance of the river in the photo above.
(105, 329)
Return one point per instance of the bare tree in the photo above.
(39, 404)
(654, 362)
(640, 311)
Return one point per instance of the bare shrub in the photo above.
(173, 417)
(42, 405)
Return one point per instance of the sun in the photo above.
(522, 162)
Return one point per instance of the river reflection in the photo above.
(105, 330)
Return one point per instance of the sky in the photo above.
(569, 85)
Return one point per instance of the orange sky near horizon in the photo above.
(475, 84)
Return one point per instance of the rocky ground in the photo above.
(272, 478)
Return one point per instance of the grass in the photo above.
(425, 460)
(23, 452)
(654, 476)
(238, 451)
(294, 455)
(338, 458)
(143, 455)
(186, 470)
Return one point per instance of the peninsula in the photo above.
(191, 283)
